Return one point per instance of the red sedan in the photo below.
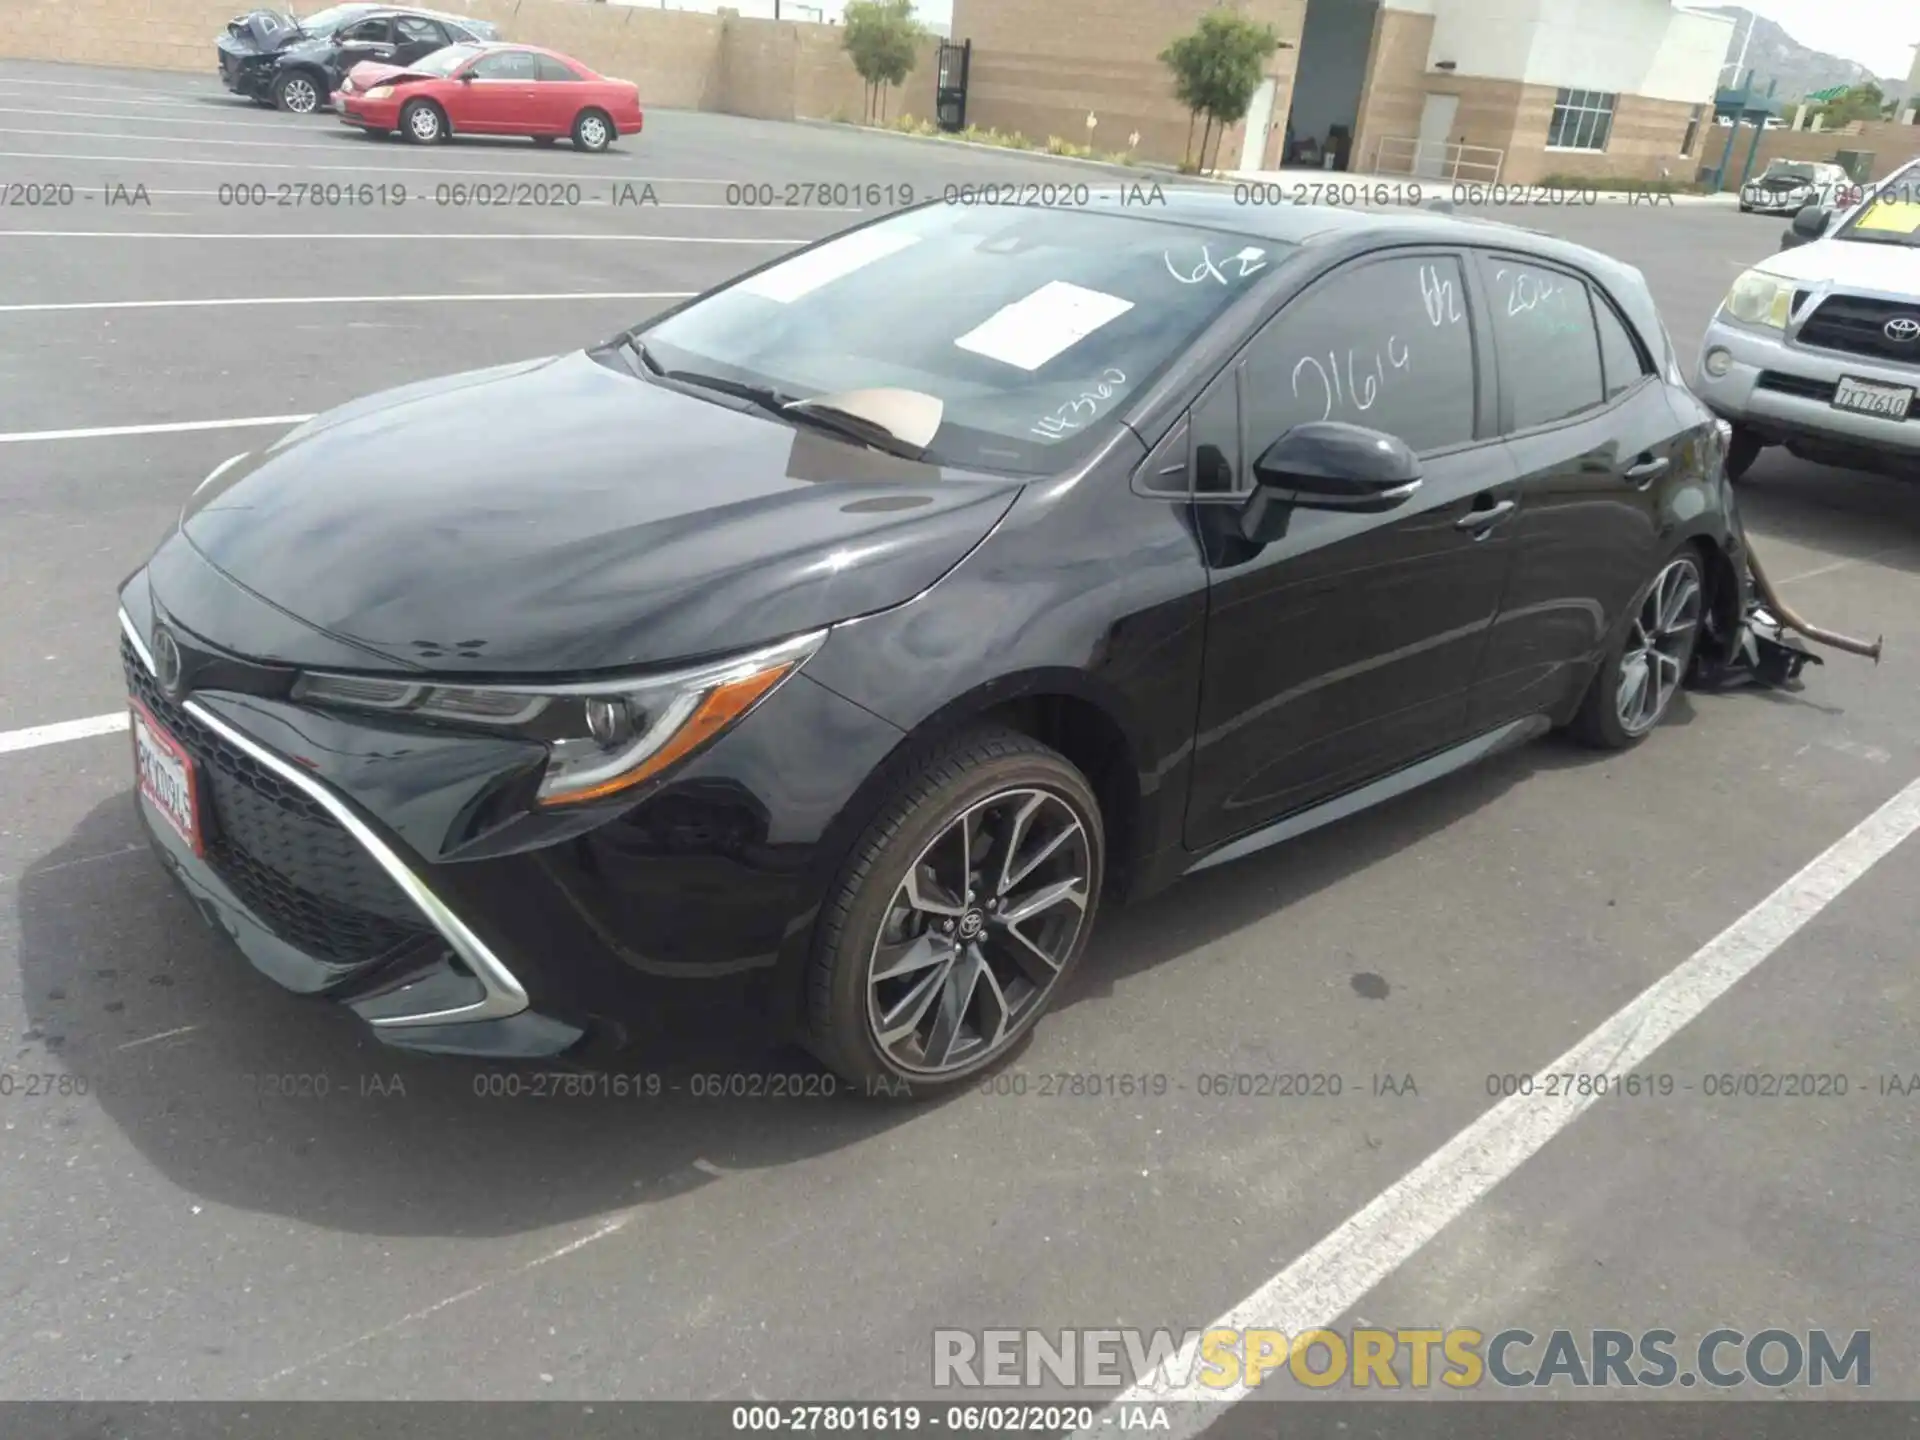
(491, 90)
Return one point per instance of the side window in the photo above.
(416, 31)
(1543, 331)
(505, 65)
(1620, 359)
(1381, 343)
(367, 32)
(552, 69)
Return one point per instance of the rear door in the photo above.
(1349, 646)
(1592, 437)
(415, 37)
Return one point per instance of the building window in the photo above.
(1582, 120)
(1693, 129)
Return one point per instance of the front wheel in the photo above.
(422, 123)
(592, 131)
(958, 917)
(1646, 664)
(298, 93)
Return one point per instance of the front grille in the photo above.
(285, 858)
(1856, 325)
(1795, 385)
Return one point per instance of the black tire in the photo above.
(423, 122)
(1742, 450)
(917, 829)
(1600, 722)
(593, 131)
(298, 93)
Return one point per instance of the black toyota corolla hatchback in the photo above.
(866, 626)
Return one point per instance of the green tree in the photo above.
(1856, 102)
(1216, 68)
(883, 40)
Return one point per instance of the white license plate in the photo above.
(166, 776)
(1869, 397)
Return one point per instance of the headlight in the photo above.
(602, 737)
(1758, 298)
(379, 92)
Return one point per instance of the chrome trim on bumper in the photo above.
(504, 993)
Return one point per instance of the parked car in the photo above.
(871, 623)
(492, 90)
(1817, 348)
(277, 60)
(1786, 187)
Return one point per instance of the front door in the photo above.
(415, 37)
(366, 40)
(1433, 159)
(1253, 150)
(499, 95)
(1351, 645)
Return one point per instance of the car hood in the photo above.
(1851, 264)
(263, 32)
(562, 516)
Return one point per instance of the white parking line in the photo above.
(144, 119)
(343, 300)
(391, 235)
(1331, 1278)
(178, 427)
(118, 89)
(35, 736)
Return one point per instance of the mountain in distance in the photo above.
(1776, 55)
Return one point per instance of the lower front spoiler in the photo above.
(420, 979)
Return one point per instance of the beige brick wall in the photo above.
(1040, 69)
(1644, 143)
(1892, 146)
(679, 59)
(1396, 83)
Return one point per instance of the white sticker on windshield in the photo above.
(1030, 332)
(806, 273)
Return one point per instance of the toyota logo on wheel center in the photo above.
(1902, 329)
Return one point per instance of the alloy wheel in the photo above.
(1659, 646)
(299, 96)
(978, 932)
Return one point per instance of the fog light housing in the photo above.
(1718, 362)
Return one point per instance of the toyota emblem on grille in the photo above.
(166, 661)
(1902, 329)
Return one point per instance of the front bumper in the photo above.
(358, 111)
(1782, 392)
(327, 860)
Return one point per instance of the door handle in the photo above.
(1480, 521)
(1648, 471)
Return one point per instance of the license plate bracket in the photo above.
(1873, 397)
(167, 776)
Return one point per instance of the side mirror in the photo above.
(1327, 465)
(1811, 222)
(466, 77)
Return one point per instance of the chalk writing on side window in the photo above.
(1359, 383)
(1075, 414)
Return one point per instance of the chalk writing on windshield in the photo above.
(1250, 260)
(1083, 407)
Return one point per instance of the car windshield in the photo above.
(446, 60)
(322, 22)
(1031, 326)
(1891, 215)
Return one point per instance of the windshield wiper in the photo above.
(820, 416)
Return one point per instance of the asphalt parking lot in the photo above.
(174, 1232)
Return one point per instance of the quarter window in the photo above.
(1620, 360)
(1582, 120)
(1543, 331)
(1385, 344)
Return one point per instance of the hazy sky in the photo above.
(1878, 33)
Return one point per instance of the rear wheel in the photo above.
(960, 914)
(423, 123)
(1645, 666)
(297, 92)
(592, 130)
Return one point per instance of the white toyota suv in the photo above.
(1818, 348)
